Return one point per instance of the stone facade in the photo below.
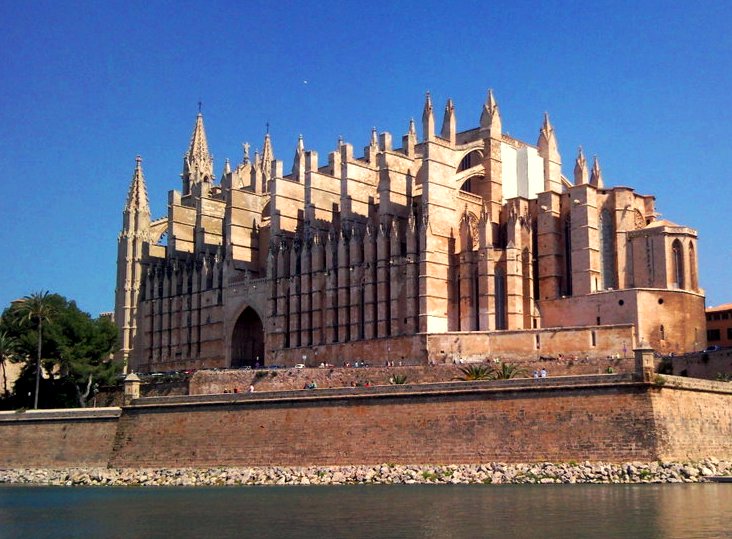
(463, 243)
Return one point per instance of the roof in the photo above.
(719, 308)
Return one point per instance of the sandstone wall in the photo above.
(211, 382)
(694, 418)
(56, 438)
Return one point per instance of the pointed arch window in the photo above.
(607, 249)
(693, 284)
(500, 288)
(567, 282)
(677, 254)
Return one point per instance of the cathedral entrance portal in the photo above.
(247, 342)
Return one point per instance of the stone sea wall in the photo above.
(607, 418)
(490, 473)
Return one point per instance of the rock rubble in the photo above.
(491, 473)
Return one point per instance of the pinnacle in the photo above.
(412, 127)
(491, 100)
(596, 176)
(198, 149)
(137, 200)
(490, 116)
(427, 104)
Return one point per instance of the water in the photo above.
(404, 511)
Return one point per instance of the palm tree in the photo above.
(475, 372)
(506, 371)
(8, 348)
(37, 308)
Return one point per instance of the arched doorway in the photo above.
(247, 342)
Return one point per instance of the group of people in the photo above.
(236, 390)
(540, 373)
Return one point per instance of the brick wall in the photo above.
(610, 418)
(57, 438)
(465, 423)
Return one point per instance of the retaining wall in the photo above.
(57, 438)
(598, 418)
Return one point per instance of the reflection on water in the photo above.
(548, 511)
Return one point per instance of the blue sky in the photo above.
(86, 86)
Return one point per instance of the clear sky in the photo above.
(86, 86)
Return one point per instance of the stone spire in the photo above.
(197, 162)
(547, 138)
(596, 177)
(449, 124)
(130, 248)
(580, 168)
(137, 201)
(428, 119)
(374, 138)
(298, 165)
(267, 152)
(490, 118)
(549, 150)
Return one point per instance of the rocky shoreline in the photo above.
(492, 473)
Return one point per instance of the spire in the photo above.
(490, 118)
(137, 200)
(266, 157)
(137, 208)
(596, 177)
(267, 151)
(580, 168)
(428, 120)
(227, 166)
(197, 162)
(374, 138)
(412, 128)
(449, 123)
(300, 145)
(198, 149)
(549, 151)
(547, 139)
(298, 164)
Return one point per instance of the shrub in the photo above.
(398, 379)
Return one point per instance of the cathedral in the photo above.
(458, 245)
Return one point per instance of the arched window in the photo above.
(693, 284)
(677, 254)
(567, 282)
(607, 249)
(500, 291)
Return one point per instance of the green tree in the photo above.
(37, 308)
(8, 350)
(76, 351)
